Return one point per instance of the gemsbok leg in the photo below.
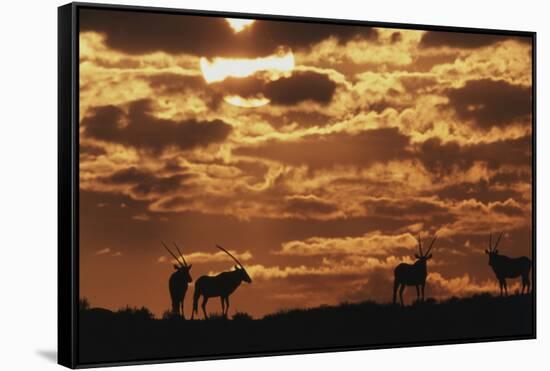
(203, 305)
(422, 288)
(226, 305)
(401, 289)
(223, 305)
(525, 283)
(417, 292)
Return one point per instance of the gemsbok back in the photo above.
(506, 267)
(412, 274)
(178, 282)
(221, 285)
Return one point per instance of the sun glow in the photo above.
(220, 68)
(239, 24)
(239, 101)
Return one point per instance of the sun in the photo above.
(273, 67)
(239, 24)
(238, 101)
(221, 68)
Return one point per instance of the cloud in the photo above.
(443, 158)
(144, 184)
(509, 207)
(435, 39)
(200, 257)
(483, 190)
(103, 251)
(90, 150)
(405, 208)
(490, 103)
(174, 83)
(108, 252)
(269, 35)
(140, 129)
(308, 206)
(342, 270)
(476, 218)
(130, 32)
(372, 243)
(441, 287)
(300, 87)
(321, 151)
(141, 217)
(287, 91)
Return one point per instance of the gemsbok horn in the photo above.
(221, 285)
(506, 267)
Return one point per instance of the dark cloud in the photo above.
(465, 40)
(508, 209)
(425, 62)
(384, 104)
(491, 103)
(140, 32)
(270, 35)
(91, 150)
(404, 208)
(481, 191)
(416, 84)
(174, 203)
(441, 158)
(299, 87)
(302, 118)
(308, 206)
(144, 183)
(173, 83)
(140, 129)
(147, 32)
(317, 151)
(254, 169)
(511, 177)
(396, 37)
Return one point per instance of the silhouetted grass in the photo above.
(133, 334)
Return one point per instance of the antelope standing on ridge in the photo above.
(221, 285)
(506, 267)
(412, 274)
(178, 282)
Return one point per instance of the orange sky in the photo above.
(314, 152)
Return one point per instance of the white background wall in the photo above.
(28, 152)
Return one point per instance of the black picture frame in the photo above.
(68, 177)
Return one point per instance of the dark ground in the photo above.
(129, 336)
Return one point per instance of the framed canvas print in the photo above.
(235, 185)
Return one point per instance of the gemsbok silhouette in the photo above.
(412, 274)
(506, 267)
(178, 282)
(221, 285)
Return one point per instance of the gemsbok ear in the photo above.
(176, 267)
(486, 251)
(417, 256)
(429, 256)
(236, 268)
(189, 266)
(496, 251)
